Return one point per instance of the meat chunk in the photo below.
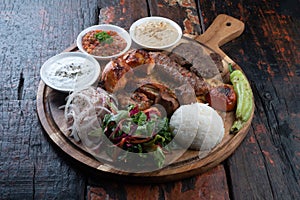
(173, 72)
(202, 63)
(137, 99)
(162, 95)
(218, 61)
(148, 95)
(113, 76)
(185, 94)
(139, 58)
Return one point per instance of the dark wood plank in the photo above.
(31, 167)
(185, 13)
(31, 32)
(122, 13)
(266, 165)
(211, 185)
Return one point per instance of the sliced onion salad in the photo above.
(84, 111)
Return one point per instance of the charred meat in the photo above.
(202, 64)
(176, 73)
(117, 72)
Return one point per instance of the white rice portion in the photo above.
(197, 126)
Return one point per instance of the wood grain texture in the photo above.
(122, 13)
(31, 32)
(211, 185)
(30, 166)
(125, 12)
(184, 12)
(266, 165)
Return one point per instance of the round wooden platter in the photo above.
(223, 29)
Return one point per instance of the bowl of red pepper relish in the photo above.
(104, 41)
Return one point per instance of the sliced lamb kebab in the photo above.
(173, 72)
(201, 62)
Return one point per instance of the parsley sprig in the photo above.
(104, 37)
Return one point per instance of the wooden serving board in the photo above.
(222, 30)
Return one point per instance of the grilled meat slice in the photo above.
(218, 61)
(137, 99)
(148, 95)
(180, 60)
(172, 72)
(185, 94)
(202, 64)
(162, 95)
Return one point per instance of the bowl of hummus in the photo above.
(155, 33)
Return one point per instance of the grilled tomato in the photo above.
(222, 97)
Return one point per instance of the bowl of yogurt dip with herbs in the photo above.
(70, 71)
(155, 32)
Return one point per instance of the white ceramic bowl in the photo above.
(155, 19)
(70, 71)
(105, 27)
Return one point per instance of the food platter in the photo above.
(223, 29)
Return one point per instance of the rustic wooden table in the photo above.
(265, 166)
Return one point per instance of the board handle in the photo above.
(223, 29)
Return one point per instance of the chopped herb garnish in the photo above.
(104, 37)
(69, 71)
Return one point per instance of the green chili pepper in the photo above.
(244, 99)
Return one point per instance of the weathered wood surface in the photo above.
(211, 185)
(31, 32)
(265, 166)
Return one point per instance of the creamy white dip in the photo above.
(155, 33)
(70, 72)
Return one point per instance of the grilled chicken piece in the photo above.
(169, 85)
(117, 72)
(113, 76)
(139, 58)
